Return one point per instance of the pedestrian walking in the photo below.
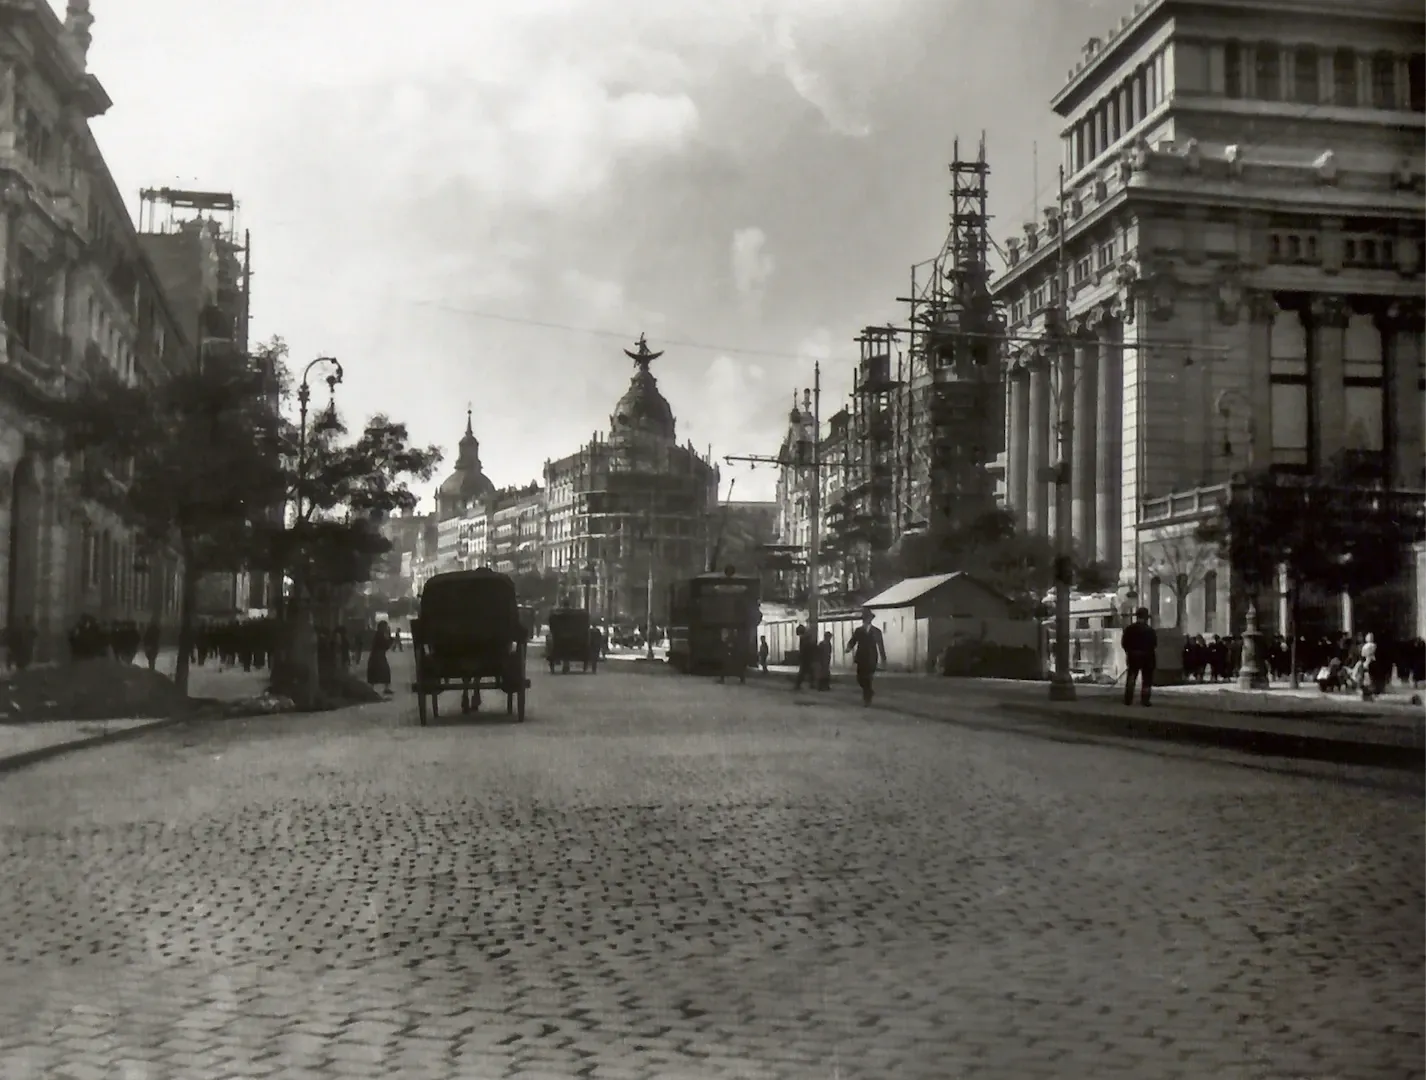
(867, 647)
(806, 658)
(152, 636)
(1140, 644)
(762, 654)
(824, 662)
(1367, 668)
(378, 667)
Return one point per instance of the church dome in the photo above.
(643, 410)
(468, 483)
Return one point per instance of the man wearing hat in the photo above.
(1140, 645)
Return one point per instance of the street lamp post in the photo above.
(1251, 673)
(1061, 681)
(304, 396)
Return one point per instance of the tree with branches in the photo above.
(1331, 531)
(337, 490)
(180, 462)
(1181, 561)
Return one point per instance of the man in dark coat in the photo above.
(806, 658)
(1140, 644)
(867, 648)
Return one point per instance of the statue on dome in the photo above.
(643, 357)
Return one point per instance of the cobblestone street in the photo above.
(661, 877)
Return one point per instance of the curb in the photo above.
(1349, 751)
(197, 709)
(12, 762)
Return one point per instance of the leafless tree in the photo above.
(1181, 561)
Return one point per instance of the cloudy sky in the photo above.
(485, 202)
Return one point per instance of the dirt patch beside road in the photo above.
(88, 690)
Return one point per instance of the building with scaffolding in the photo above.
(630, 507)
(948, 420)
(1234, 266)
(205, 265)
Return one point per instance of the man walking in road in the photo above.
(806, 658)
(1140, 644)
(867, 647)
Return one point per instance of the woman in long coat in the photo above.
(378, 668)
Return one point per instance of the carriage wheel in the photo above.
(465, 700)
(520, 702)
(421, 704)
(509, 704)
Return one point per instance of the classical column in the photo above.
(1402, 331)
(1083, 471)
(1108, 443)
(1054, 383)
(1262, 311)
(1038, 429)
(1017, 434)
(1327, 323)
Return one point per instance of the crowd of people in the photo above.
(1339, 662)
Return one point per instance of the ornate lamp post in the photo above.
(304, 396)
(1251, 674)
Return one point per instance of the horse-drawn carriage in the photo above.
(470, 635)
(571, 640)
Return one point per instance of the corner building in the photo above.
(1243, 243)
(630, 502)
(79, 292)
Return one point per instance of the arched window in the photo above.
(1306, 88)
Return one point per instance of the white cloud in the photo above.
(812, 85)
(753, 264)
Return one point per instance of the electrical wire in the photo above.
(620, 335)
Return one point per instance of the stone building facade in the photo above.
(839, 547)
(78, 290)
(628, 502)
(1241, 277)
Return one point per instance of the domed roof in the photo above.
(643, 410)
(468, 482)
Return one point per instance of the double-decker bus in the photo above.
(701, 608)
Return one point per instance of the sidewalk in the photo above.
(27, 743)
(1304, 723)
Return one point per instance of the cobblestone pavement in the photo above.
(658, 877)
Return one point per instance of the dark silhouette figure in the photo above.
(1140, 644)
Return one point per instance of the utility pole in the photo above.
(1061, 681)
(812, 462)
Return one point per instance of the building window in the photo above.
(1105, 255)
(1233, 70)
(1306, 88)
(1267, 72)
(1156, 598)
(1291, 416)
(1383, 81)
(1082, 270)
(1344, 78)
(1364, 388)
(1210, 602)
(1151, 76)
(1141, 93)
(1416, 82)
